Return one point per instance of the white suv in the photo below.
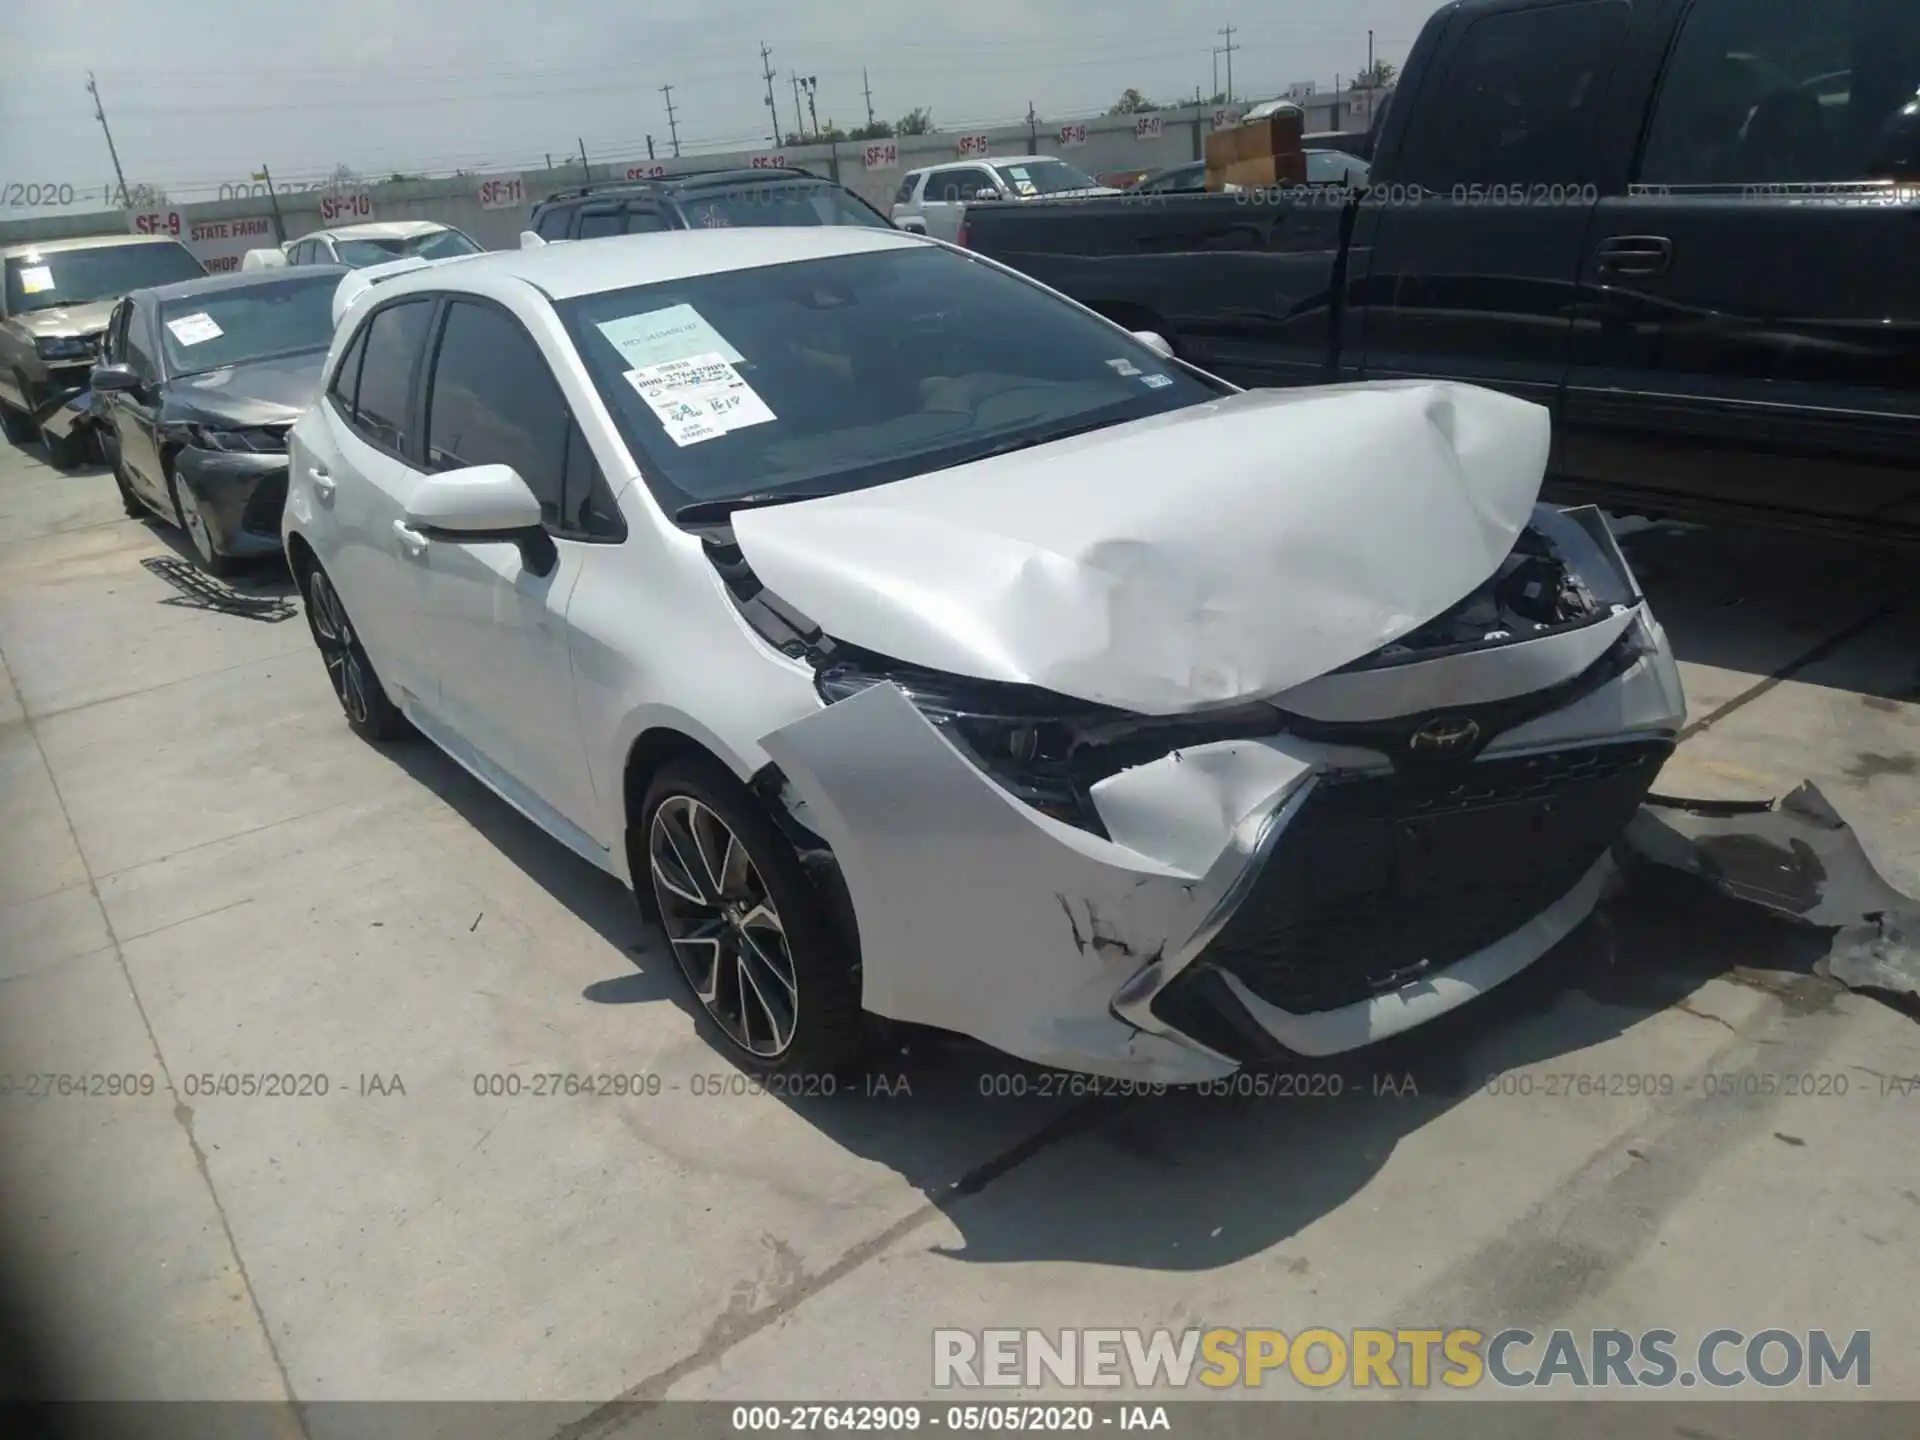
(916, 642)
(931, 201)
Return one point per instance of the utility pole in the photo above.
(1228, 50)
(649, 147)
(100, 114)
(279, 222)
(586, 170)
(1216, 69)
(1371, 72)
(799, 124)
(867, 87)
(1033, 131)
(773, 111)
(811, 84)
(673, 125)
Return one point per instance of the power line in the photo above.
(673, 127)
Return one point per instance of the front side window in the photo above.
(1028, 178)
(257, 322)
(596, 223)
(779, 204)
(905, 192)
(1782, 92)
(361, 251)
(1333, 167)
(1522, 99)
(48, 279)
(346, 380)
(494, 401)
(394, 337)
(829, 375)
(553, 224)
(1184, 177)
(956, 187)
(140, 344)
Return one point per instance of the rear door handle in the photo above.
(323, 484)
(1636, 255)
(412, 539)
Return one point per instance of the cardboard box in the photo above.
(1277, 134)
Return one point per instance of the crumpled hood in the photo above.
(1217, 554)
(68, 320)
(260, 392)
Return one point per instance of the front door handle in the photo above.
(1639, 255)
(412, 539)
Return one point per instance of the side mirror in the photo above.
(109, 379)
(1155, 342)
(479, 505)
(530, 241)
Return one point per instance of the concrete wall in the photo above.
(1110, 145)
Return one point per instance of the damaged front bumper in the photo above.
(241, 496)
(1306, 890)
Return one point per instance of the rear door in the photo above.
(1753, 330)
(1466, 254)
(359, 460)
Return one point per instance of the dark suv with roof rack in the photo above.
(701, 200)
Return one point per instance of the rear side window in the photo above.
(394, 336)
(1787, 92)
(1521, 99)
(494, 401)
(645, 222)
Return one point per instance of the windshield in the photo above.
(361, 251)
(47, 279)
(831, 375)
(1044, 177)
(255, 322)
(779, 205)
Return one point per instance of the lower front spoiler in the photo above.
(240, 496)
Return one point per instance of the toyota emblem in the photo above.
(1444, 736)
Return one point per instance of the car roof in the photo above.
(988, 160)
(570, 268)
(378, 230)
(239, 280)
(79, 242)
(685, 183)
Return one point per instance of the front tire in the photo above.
(746, 927)
(211, 560)
(363, 700)
(67, 454)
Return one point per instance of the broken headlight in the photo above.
(1021, 739)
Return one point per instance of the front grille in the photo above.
(1381, 878)
(265, 504)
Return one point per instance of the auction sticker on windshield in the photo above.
(658, 336)
(699, 398)
(195, 328)
(35, 278)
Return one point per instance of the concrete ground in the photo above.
(203, 874)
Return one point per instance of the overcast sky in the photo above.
(200, 92)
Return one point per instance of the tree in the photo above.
(878, 130)
(1378, 78)
(1132, 102)
(915, 122)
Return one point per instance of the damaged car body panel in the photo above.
(1164, 896)
(1176, 563)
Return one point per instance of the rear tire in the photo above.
(363, 700)
(746, 928)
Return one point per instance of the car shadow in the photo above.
(1186, 1180)
(260, 587)
(1761, 604)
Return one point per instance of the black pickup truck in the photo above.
(1690, 227)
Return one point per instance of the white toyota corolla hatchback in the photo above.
(917, 643)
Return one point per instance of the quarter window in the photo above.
(1524, 94)
(1784, 92)
(392, 355)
